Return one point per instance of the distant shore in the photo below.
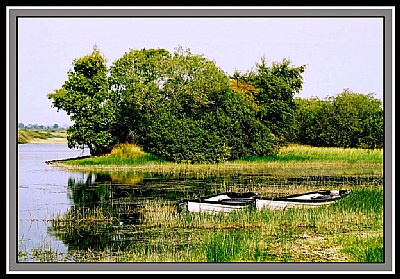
(41, 136)
(49, 141)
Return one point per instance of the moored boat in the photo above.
(222, 202)
(309, 199)
(232, 201)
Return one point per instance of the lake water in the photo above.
(42, 193)
(46, 191)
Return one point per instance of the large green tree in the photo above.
(181, 107)
(85, 97)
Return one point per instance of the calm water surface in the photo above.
(42, 192)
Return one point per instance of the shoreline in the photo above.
(48, 141)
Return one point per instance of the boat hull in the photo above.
(214, 207)
(228, 202)
(272, 204)
(310, 199)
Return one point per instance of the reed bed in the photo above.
(350, 230)
(291, 169)
(347, 231)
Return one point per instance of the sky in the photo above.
(339, 53)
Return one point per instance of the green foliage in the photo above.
(312, 124)
(181, 107)
(177, 106)
(40, 127)
(134, 80)
(346, 120)
(275, 87)
(228, 132)
(359, 119)
(85, 98)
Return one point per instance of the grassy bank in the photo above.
(293, 160)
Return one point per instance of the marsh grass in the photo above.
(347, 231)
(82, 220)
(350, 230)
(292, 161)
(295, 152)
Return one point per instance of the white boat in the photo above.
(222, 202)
(232, 201)
(309, 199)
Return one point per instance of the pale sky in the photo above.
(338, 52)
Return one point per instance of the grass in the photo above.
(294, 160)
(301, 153)
(128, 154)
(350, 230)
(347, 231)
(121, 155)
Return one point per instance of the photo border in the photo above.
(14, 12)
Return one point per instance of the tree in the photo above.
(135, 80)
(313, 122)
(272, 89)
(85, 97)
(359, 120)
(181, 107)
(348, 119)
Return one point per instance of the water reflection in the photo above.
(106, 211)
(100, 210)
